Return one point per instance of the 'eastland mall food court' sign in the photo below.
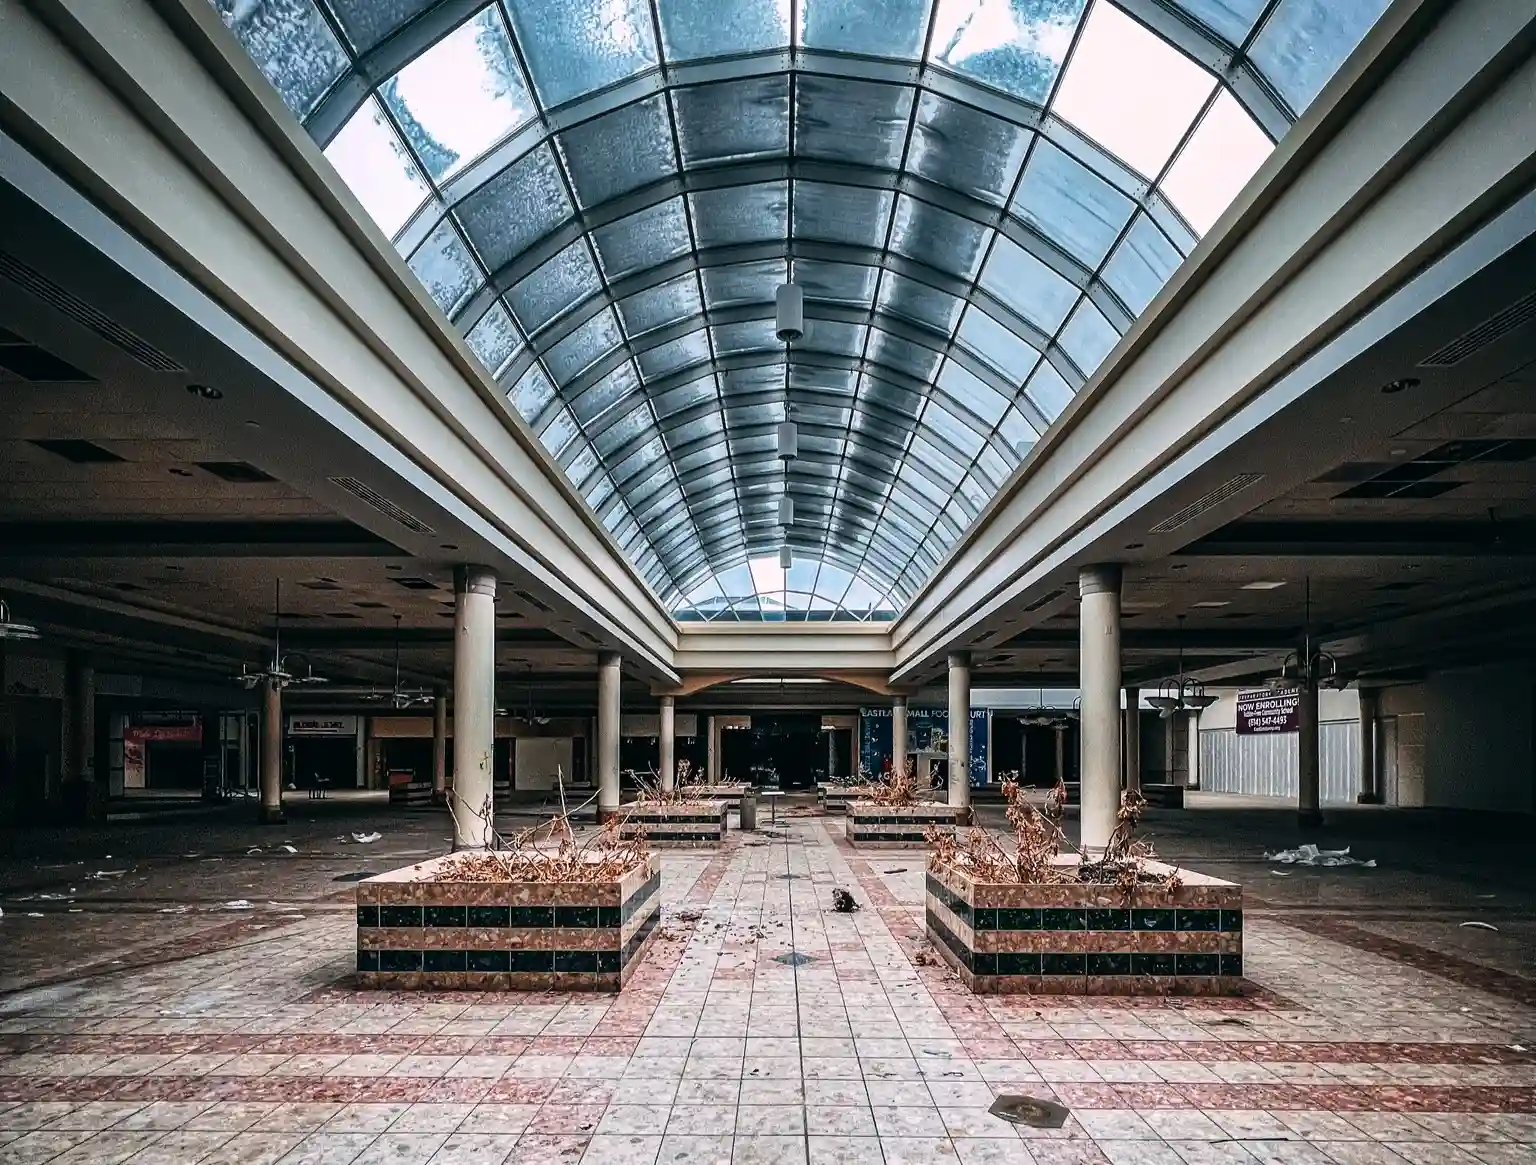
(1262, 712)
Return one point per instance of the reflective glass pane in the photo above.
(461, 96)
(741, 214)
(620, 151)
(998, 345)
(1027, 285)
(445, 268)
(1017, 432)
(291, 44)
(942, 240)
(584, 347)
(862, 123)
(919, 302)
(559, 432)
(839, 283)
(1070, 205)
(1304, 41)
(856, 215)
(708, 28)
(1141, 264)
(674, 355)
(666, 303)
(494, 339)
(1015, 45)
(1223, 153)
(1088, 337)
(1049, 392)
(1231, 19)
(645, 239)
(685, 396)
(555, 288)
(740, 283)
(532, 392)
(599, 490)
(975, 394)
(733, 121)
(875, 28)
(751, 336)
(582, 465)
(963, 148)
(517, 207)
(612, 390)
(1130, 90)
(838, 338)
(377, 168)
(367, 22)
(574, 48)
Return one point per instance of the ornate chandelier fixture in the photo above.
(1185, 694)
(276, 673)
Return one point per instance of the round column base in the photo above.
(271, 815)
(1309, 818)
(1370, 799)
(604, 816)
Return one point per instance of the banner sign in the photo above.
(1263, 712)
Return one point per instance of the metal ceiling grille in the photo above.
(978, 197)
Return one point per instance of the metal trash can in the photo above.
(749, 810)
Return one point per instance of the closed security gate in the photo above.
(1265, 766)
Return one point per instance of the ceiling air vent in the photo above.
(1218, 495)
(531, 601)
(1522, 311)
(84, 314)
(80, 452)
(236, 472)
(412, 583)
(371, 497)
(1043, 600)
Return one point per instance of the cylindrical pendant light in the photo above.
(789, 441)
(786, 511)
(789, 303)
(786, 557)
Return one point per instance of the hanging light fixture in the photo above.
(12, 629)
(786, 557)
(1310, 665)
(276, 672)
(786, 511)
(1185, 694)
(789, 313)
(400, 698)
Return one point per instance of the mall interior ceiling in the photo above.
(150, 511)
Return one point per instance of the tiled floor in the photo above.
(719, 1052)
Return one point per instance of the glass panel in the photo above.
(1016, 45)
(559, 432)
(1071, 205)
(975, 394)
(751, 336)
(584, 347)
(733, 121)
(599, 490)
(377, 168)
(291, 44)
(740, 283)
(917, 301)
(840, 283)
(684, 396)
(1088, 337)
(996, 344)
(461, 96)
(532, 392)
(1017, 432)
(624, 432)
(1231, 19)
(903, 355)
(709, 425)
(619, 385)
(938, 238)
(862, 123)
(666, 303)
(1049, 391)
(1216, 163)
(835, 337)
(967, 150)
(741, 214)
(445, 268)
(674, 355)
(582, 465)
(856, 215)
(619, 152)
(642, 240)
(517, 207)
(367, 22)
(708, 28)
(876, 28)
(1130, 90)
(1304, 41)
(1027, 285)
(1141, 264)
(574, 48)
(494, 339)
(555, 288)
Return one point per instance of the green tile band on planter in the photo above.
(415, 930)
(898, 827)
(1087, 938)
(693, 824)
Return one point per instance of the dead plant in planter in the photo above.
(898, 791)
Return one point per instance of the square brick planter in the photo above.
(677, 823)
(871, 825)
(836, 798)
(1050, 938)
(504, 936)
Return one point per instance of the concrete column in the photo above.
(1099, 670)
(80, 720)
(960, 731)
(607, 734)
(271, 812)
(666, 740)
(898, 734)
(1309, 812)
(1370, 779)
(474, 708)
(439, 746)
(1192, 780)
(832, 753)
(712, 753)
(1061, 753)
(1132, 749)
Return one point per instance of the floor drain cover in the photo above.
(793, 959)
(788, 877)
(355, 876)
(1026, 1110)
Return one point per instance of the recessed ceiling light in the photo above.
(1398, 452)
(1345, 420)
(1213, 603)
(1400, 385)
(1135, 545)
(449, 546)
(1179, 566)
(206, 391)
(1270, 585)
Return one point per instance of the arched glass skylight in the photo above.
(978, 197)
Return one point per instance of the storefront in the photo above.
(325, 750)
(163, 750)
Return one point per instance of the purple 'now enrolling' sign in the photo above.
(1263, 711)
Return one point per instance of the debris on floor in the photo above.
(1026, 1110)
(1481, 926)
(289, 849)
(1310, 855)
(237, 904)
(365, 838)
(843, 902)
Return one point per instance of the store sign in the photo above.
(1263, 712)
(182, 727)
(322, 726)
